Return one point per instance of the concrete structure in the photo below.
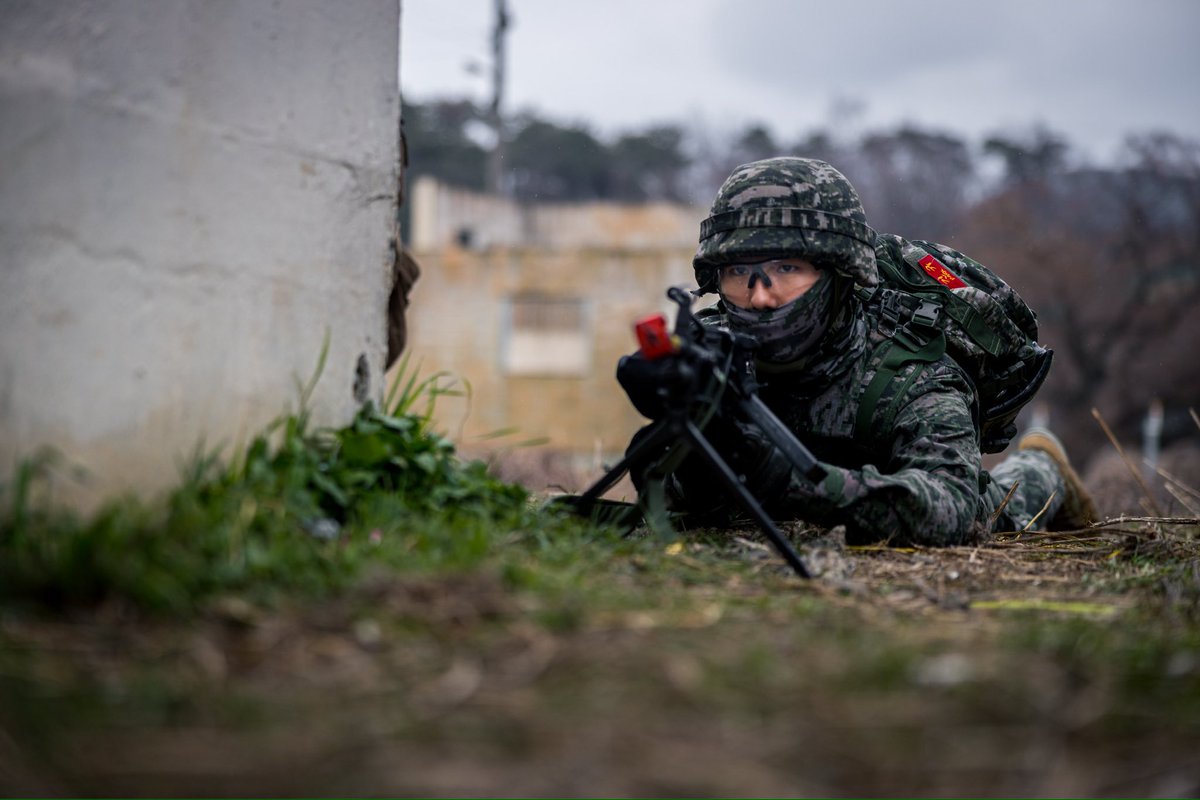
(531, 306)
(194, 195)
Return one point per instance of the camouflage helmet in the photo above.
(786, 208)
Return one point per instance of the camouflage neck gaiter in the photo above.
(786, 333)
(830, 358)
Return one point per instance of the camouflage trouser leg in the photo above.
(1037, 478)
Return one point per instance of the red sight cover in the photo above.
(653, 338)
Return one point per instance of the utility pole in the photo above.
(495, 172)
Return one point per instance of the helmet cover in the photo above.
(787, 208)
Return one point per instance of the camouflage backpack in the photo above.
(933, 300)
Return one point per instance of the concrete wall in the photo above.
(615, 262)
(193, 195)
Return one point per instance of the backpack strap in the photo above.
(920, 340)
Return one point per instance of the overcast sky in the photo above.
(1091, 70)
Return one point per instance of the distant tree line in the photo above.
(1109, 256)
(547, 161)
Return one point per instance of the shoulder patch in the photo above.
(940, 273)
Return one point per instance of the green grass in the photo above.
(650, 640)
(302, 511)
(652, 645)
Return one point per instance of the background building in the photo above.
(530, 307)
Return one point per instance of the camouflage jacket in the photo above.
(921, 481)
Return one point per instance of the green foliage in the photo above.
(438, 143)
(547, 161)
(650, 165)
(300, 510)
(552, 162)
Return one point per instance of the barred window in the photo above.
(547, 336)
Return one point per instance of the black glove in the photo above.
(648, 383)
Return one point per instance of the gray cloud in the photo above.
(1094, 67)
(1092, 70)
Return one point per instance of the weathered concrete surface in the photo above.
(193, 195)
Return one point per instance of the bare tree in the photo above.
(1110, 259)
(914, 182)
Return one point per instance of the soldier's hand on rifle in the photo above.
(648, 383)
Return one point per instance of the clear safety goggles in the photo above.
(737, 281)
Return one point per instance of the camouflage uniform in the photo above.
(917, 478)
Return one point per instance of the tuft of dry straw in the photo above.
(1137, 476)
(1183, 500)
(1149, 520)
(1179, 484)
(1038, 515)
(1003, 504)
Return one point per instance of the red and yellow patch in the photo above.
(938, 271)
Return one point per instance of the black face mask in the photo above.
(787, 333)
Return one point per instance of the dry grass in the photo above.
(1045, 664)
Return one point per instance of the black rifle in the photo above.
(711, 368)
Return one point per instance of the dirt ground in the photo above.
(1015, 668)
